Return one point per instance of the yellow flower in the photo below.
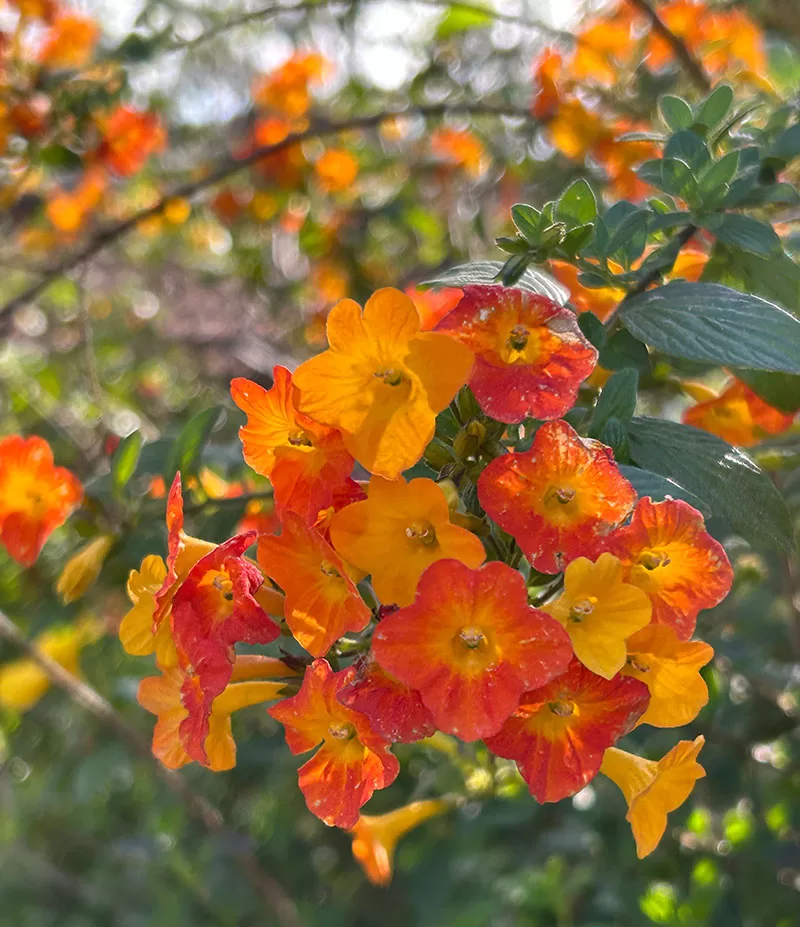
(375, 837)
(24, 682)
(599, 612)
(82, 569)
(136, 630)
(653, 788)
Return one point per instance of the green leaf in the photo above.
(787, 145)
(713, 323)
(723, 477)
(715, 107)
(677, 178)
(687, 146)
(781, 390)
(123, 463)
(719, 173)
(593, 329)
(188, 447)
(514, 268)
(461, 19)
(526, 219)
(748, 234)
(485, 273)
(628, 240)
(676, 112)
(577, 238)
(776, 278)
(614, 434)
(659, 488)
(623, 350)
(512, 245)
(617, 400)
(60, 158)
(577, 204)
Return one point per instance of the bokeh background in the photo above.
(151, 331)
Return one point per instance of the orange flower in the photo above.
(69, 42)
(286, 90)
(653, 789)
(546, 75)
(575, 130)
(305, 461)
(433, 305)
(45, 10)
(375, 837)
(353, 760)
(689, 265)
(162, 696)
(395, 711)
(733, 38)
(559, 733)
(382, 381)
(557, 498)
(602, 302)
(738, 416)
(68, 211)
(398, 532)
(668, 553)
(602, 47)
(129, 138)
(471, 645)
(460, 148)
(670, 668)
(213, 609)
(322, 601)
(530, 355)
(599, 611)
(685, 19)
(35, 496)
(620, 156)
(336, 169)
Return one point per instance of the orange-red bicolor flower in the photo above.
(738, 416)
(557, 498)
(129, 138)
(670, 668)
(35, 496)
(353, 760)
(395, 710)
(530, 355)
(559, 733)
(305, 461)
(70, 41)
(471, 645)
(322, 601)
(398, 532)
(654, 788)
(382, 381)
(213, 609)
(667, 552)
(433, 305)
(601, 301)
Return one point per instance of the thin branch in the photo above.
(266, 886)
(679, 48)
(230, 166)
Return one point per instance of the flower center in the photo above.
(422, 531)
(342, 731)
(637, 663)
(582, 608)
(518, 338)
(391, 376)
(472, 638)
(562, 708)
(298, 438)
(329, 569)
(560, 495)
(650, 559)
(222, 583)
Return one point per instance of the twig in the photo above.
(230, 166)
(679, 48)
(267, 887)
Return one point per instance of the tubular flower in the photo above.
(557, 498)
(398, 532)
(213, 609)
(559, 733)
(129, 138)
(599, 611)
(353, 760)
(23, 682)
(433, 305)
(382, 382)
(35, 496)
(82, 569)
(670, 668)
(530, 355)
(667, 552)
(738, 416)
(653, 789)
(375, 837)
(471, 645)
(322, 601)
(69, 42)
(306, 462)
(395, 711)
(162, 696)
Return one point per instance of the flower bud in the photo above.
(83, 568)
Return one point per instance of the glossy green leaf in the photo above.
(485, 273)
(123, 463)
(577, 204)
(617, 400)
(459, 18)
(715, 107)
(647, 483)
(749, 234)
(185, 453)
(676, 112)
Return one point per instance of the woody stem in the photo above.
(679, 48)
(267, 887)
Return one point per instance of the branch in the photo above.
(265, 885)
(679, 48)
(230, 166)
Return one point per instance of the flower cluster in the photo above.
(529, 600)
